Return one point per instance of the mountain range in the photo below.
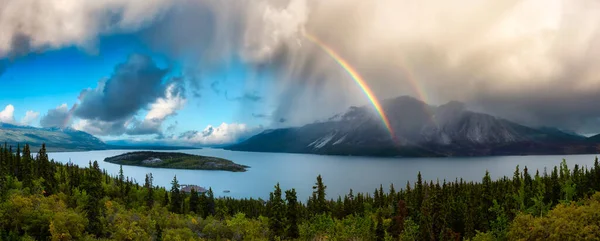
(56, 139)
(418, 129)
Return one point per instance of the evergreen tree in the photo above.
(27, 165)
(46, 171)
(202, 204)
(150, 190)
(17, 164)
(176, 197)
(166, 199)
(277, 213)
(210, 203)
(93, 207)
(293, 214)
(319, 193)
(194, 201)
(418, 193)
(121, 182)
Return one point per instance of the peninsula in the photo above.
(175, 160)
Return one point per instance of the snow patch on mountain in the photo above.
(340, 140)
(321, 142)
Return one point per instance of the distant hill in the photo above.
(419, 130)
(137, 145)
(56, 139)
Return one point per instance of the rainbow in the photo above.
(357, 78)
(416, 86)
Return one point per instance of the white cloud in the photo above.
(7, 115)
(160, 110)
(222, 134)
(167, 106)
(30, 117)
(29, 25)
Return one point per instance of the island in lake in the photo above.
(175, 160)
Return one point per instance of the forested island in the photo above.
(41, 200)
(175, 160)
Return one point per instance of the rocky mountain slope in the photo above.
(419, 129)
(56, 139)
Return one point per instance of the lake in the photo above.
(340, 173)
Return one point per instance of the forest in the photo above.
(41, 199)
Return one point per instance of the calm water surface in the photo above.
(340, 173)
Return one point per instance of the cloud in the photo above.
(528, 61)
(216, 135)
(188, 135)
(160, 110)
(534, 61)
(7, 115)
(133, 85)
(36, 25)
(58, 117)
(111, 108)
(30, 117)
(102, 128)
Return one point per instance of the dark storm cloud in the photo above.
(20, 46)
(138, 84)
(57, 117)
(132, 86)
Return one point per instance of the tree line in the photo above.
(41, 199)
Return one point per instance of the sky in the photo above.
(209, 72)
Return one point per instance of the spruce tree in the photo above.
(149, 190)
(93, 207)
(176, 199)
(277, 213)
(319, 194)
(293, 214)
(46, 171)
(165, 201)
(194, 201)
(121, 182)
(26, 167)
(210, 203)
(202, 204)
